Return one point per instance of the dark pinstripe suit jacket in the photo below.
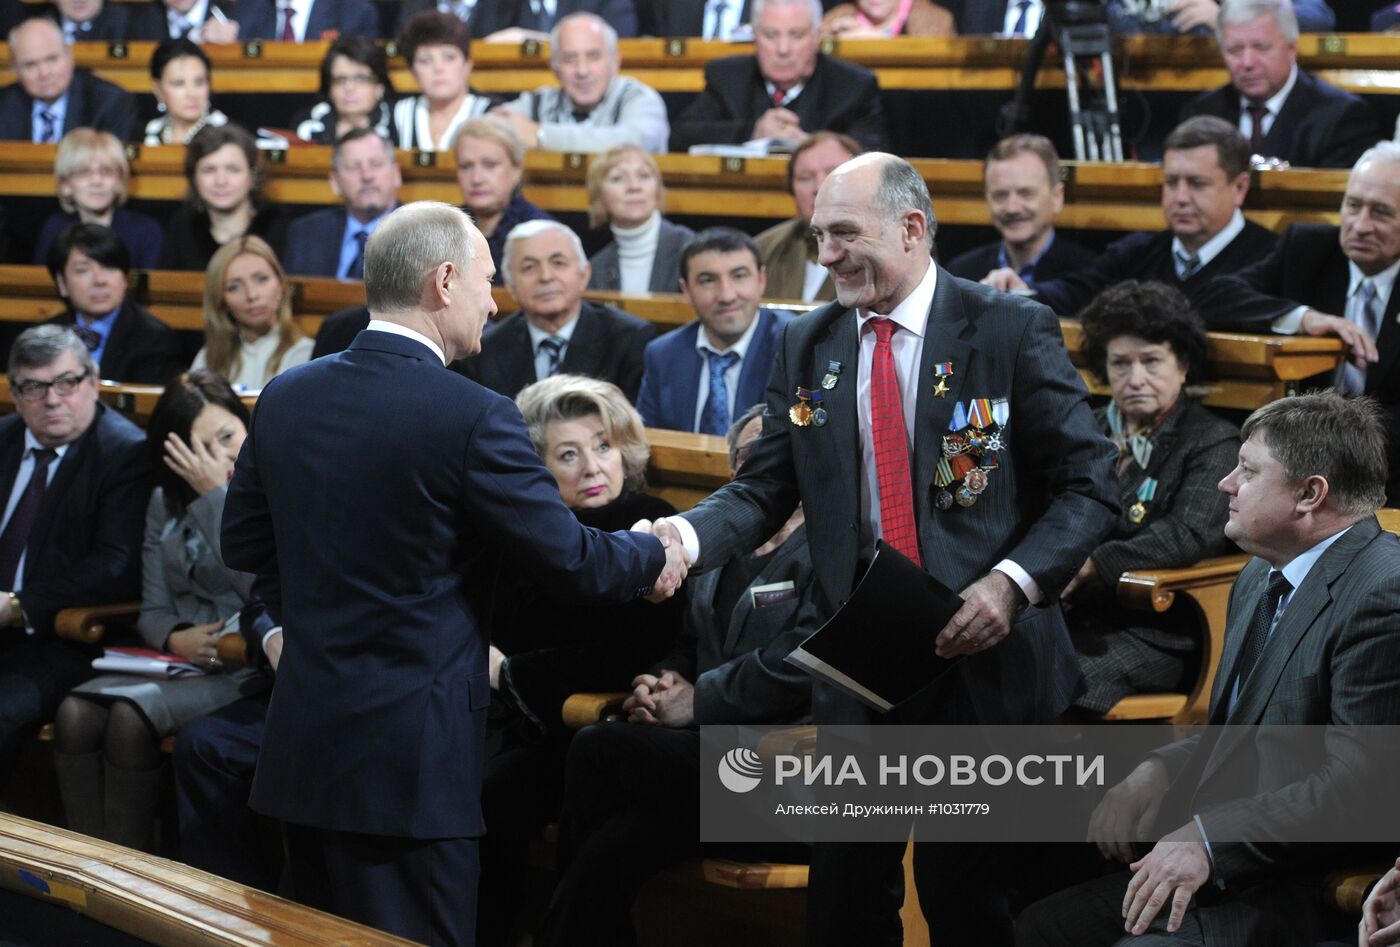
(1049, 503)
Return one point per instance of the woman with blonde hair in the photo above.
(249, 335)
(490, 163)
(625, 192)
(90, 173)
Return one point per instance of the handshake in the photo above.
(677, 562)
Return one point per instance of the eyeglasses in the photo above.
(34, 390)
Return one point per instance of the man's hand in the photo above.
(215, 32)
(989, 606)
(1380, 915)
(272, 647)
(1362, 346)
(494, 660)
(1188, 14)
(529, 131)
(1005, 279)
(677, 562)
(1128, 810)
(1174, 869)
(1087, 573)
(641, 706)
(778, 123)
(674, 701)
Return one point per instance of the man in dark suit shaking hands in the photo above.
(896, 366)
(374, 497)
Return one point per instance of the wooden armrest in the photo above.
(88, 624)
(1346, 890)
(750, 875)
(233, 650)
(580, 710)
(1155, 589)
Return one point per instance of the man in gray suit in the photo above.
(911, 356)
(1310, 640)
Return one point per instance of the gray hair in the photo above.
(731, 438)
(1381, 151)
(407, 246)
(533, 228)
(602, 25)
(1235, 12)
(902, 189)
(815, 6)
(41, 346)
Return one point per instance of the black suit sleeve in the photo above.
(1073, 291)
(708, 119)
(1249, 300)
(159, 360)
(760, 686)
(1352, 133)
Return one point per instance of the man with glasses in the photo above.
(51, 97)
(331, 242)
(74, 481)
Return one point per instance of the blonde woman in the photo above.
(90, 174)
(490, 162)
(625, 193)
(249, 335)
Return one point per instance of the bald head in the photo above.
(41, 59)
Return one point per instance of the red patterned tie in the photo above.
(891, 447)
(288, 34)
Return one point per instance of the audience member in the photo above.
(91, 21)
(1335, 280)
(1311, 638)
(544, 648)
(1203, 16)
(786, 90)
(1021, 178)
(1283, 111)
(331, 242)
(90, 174)
(249, 335)
(1380, 914)
(301, 21)
(355, 92)
(107, 733)
(204, 21)
(1386, 19)
(632, 787)
(473, 13)
(556, 330)
(698, 376)
(90, 266)
(437, 47)
(490, 163)
(339, 329)
(1019, 18)
(593, 108)
(180, 73)
(75, 472)
(534, 19)
(51, 97)
(789, 250)
(705, 19)
(1205, 177)
(224, 172)
(626, 193)
(878, 19)
(1145, 342)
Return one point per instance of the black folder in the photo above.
(879, 646)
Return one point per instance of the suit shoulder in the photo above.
(675, 343)
(621, 321)
(147, 321)
(729, 69)
(98, 87)
(1141, 241)
(965, 265)
(1212, 102)
(1322, 89)
(318, 221)
(116, 432)
(841, 71)
(1206, 426)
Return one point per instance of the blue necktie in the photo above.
(1020, 28)
(715, 418)
(554, 346)
(48, 131)
(356, 269)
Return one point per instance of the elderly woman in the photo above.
(625, 192)
(545, 649)
(1146, 342)
(355, 91)
(225, 177)
(108, 731)
(180, 74)
(880, 19)
(90, 173)
(249, 335)
(490, 162)
(437, 48)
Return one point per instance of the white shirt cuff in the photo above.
(1022, 578)
(689, 538)
(268, 637)
(1291, 322)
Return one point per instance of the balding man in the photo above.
(908, 355)
(593, 108)
(374, 500)
(51, 97)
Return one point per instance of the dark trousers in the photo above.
(214, 761)
(35, 676)
(422, 889)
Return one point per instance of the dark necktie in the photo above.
(48, 127)
(16, 535)
(288, 34)
(91, 337)
(356, 269)
(1260, 625)
(554, 347)
(717, 22)
(715, 418)
(1020, 28)
(897, 523)
(1257, 114)
(1187, 264)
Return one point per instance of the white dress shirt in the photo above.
(1212, 247)
(1034, 12)
(1272, 104)
(731, 376)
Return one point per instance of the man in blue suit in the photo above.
(52, 98)
(375, 497)
(331, 242)
(694, 377)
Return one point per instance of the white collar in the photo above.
(1384, 281)
(393, 328)
(538, 335)
(31, 443)
(1212, 247)
(739, 348)
(195, 16)
(912, 312)
(1297, 570)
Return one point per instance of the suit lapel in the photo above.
(316, 22)
(76, 114)
(837, 344)
(1247, 593)
(11, 449)
(682, 390)
(743, 609)
(511, 359)
(119, 343)
(758, 364)
(1387, 341)
(932, 413)
(584, 354)
(58, 488)
(1290, 116)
